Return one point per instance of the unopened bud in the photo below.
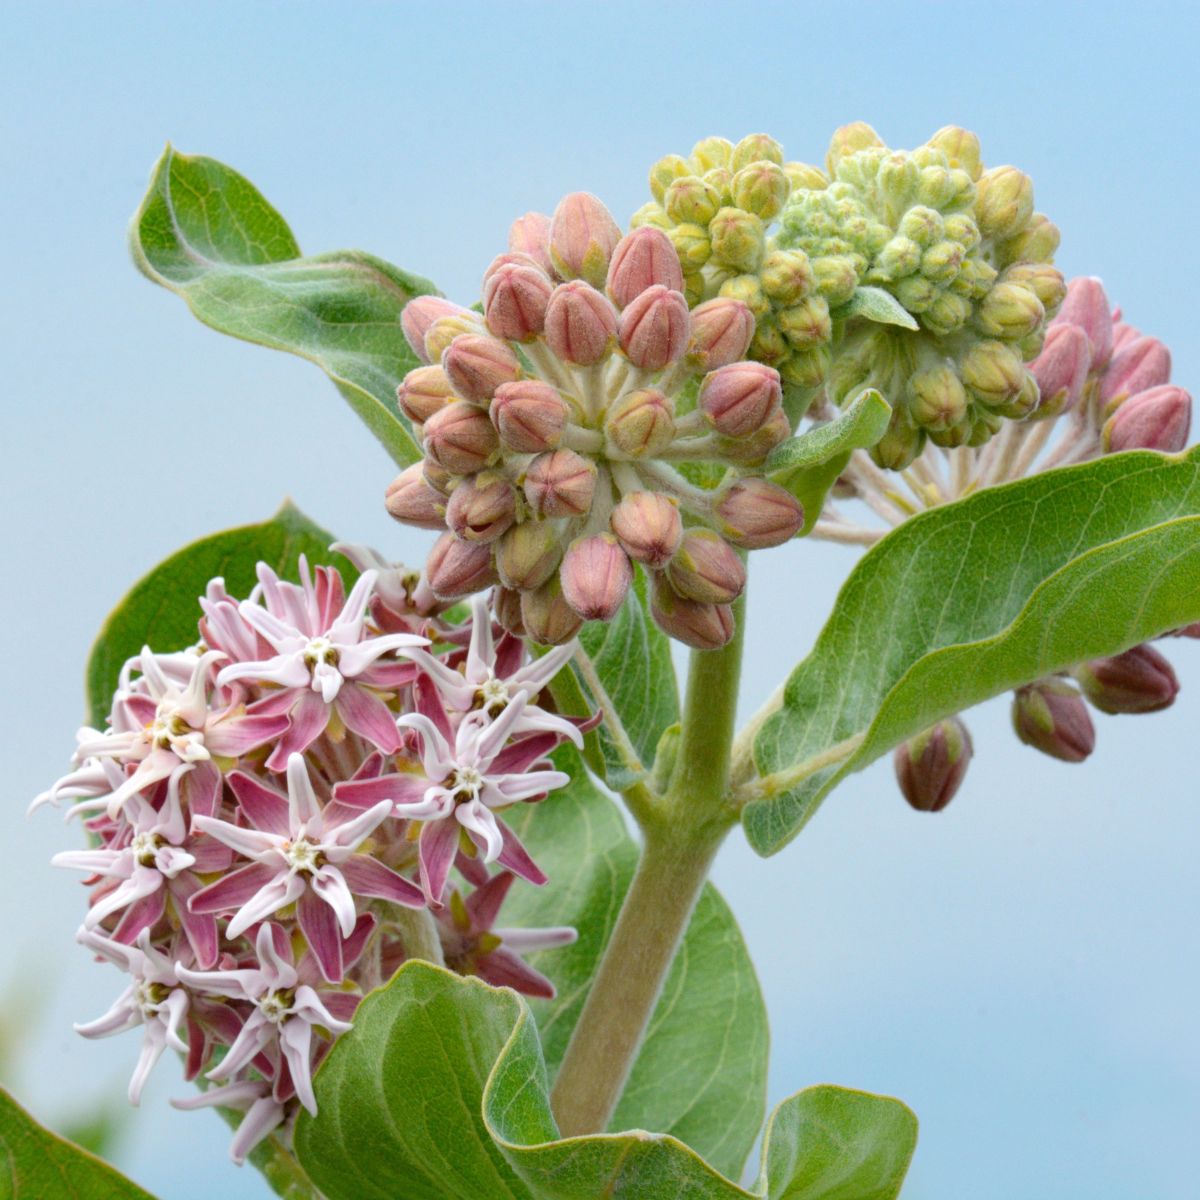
(1139, 681)
(482, 508)
(653, 329)
(560, 484)
(583, 236)
(835, 277)
(665, 172)
(648, 526)
(900, 444)
(596, 575)
(692, 245)
(547, 616)
(641, 424)
(701, 626)
(514, 301)
(738, 239)
(937, 398)
(712, 152)
(787, 276)
(1061, 369)
(1050, 716)
(755, 514)
(1003, 201)
(456, 568)
(1036, 242)
(581, 324)
(1157, 419)
(478, 365)
(993, 372)
(1010, 311)
(460, 438)
(438, 478)
(529, 415)
(807, 323)
(761, 188)
(737, 400)
(752, 451)
(707, 569)
(1142, 363)
(930, 767)
(802, 175)
(410, 499)
(642, 259)
(506, 604)
(961, 147)
(691, 200)
(755, 147)
(1046, 282)
(1087, 306)
(528, 554)
(848, 140)
(1123, 334)
(443, 332)
(423, 392)
(530, 235)
(419, 316)
(721, 330)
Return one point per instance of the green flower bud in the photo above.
(922, 225)
(720, 179)
(937, 398)
(650, 214)
(761, 188)
(897, 181)
(690, 199)
(1043, 280)
(694, 287)
(956, 434)
(937, 187)
(916, 293)
(1036, 242)
(899, 445)
(768, 345)
(961, 148)
(835, 278)
(801, 175)
(806, 324)
(993, 373)
(942, 261)
(749, 290)
(755, 147)
(974, 279)
(1003, 202)
(712, 152)
(961, 228)
(1025, 402)
(847, 140)
(691, 244)
(899, 258)
(665, 172)
(946, 314)
(738, 239)
(806, 368)
(1010, 311)
(787, 276)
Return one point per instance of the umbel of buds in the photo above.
(554, 426)
(968, 262)
(267, 807)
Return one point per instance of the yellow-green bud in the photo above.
(761, 188)
(916, 293)
(690, 199)
(899, 445)
(922, 225)
(1043, 280)
(651, 213)
(694, 288)
(712, 152)
(738, 239)
(720, 179)
(691, 244)
(749, 290)
(1025, 402)
(937, 398)
(806, 368)
(1003, 202)
(768, 344)
(897, 180)
(1010, 311)
(961, 228)
(900, 257)
(1037, 242)
(806, 324)
(961, 148)
(786, 276)
(835, 278)
(942, 261)
(993, 373)
(937, 186)
(946, 314)
(974, 279)
(665, 172)
(847, 140)
(802, 175)
(752, 148)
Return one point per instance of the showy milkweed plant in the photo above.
(348, 828)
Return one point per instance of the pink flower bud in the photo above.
(482, 508)
(1139, 681)
(752, 451)
(1158, 419)
(1142, 363)
(720, 334)
(422, 392)
(1087, 306)
(739, 399)
(648, 526)
(1061, 369)
(506, 604)
(583, 236)
(1123, 334)
(581, 323)
(1050, 716)
(930, 767)
(513, 258)
(477, 365)
(438, 478)
(528, 554)
(641, 424)
(410, 499)
(529, 415)
(445, 329)
(1188, 631)
(756, 514)
(456, 568)
(654, 328)
(701, 626)
(596, 574)
(419, 315)
(560, 484)
(460, 439)
(707, 569)
(530, 235)
(547, 616)
(514, 301)
(642, 259)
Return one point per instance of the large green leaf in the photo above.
(440, 1093)
(632, 658)
(972, 599)
(161, 609)
(208, 234)
(701, 1072)
(36, 1164)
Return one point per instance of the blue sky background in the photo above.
(1022, 969)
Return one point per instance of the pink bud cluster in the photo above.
(554, 424)
(273, 809)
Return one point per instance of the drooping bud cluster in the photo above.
(966, 256)
(266, 806)
(552, 426)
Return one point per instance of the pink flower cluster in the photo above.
(266, 807)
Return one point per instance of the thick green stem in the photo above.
(682, 836)
(419, 933)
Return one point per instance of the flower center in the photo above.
(277, 1006)
(320, 651)
(465, 783)
(145, 847)
(492, 696)
(303, 855)
(149, 996)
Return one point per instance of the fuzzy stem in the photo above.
(681, 839)
(419, 933)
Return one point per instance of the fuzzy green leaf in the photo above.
(161, 609)
(972, 599)
(876, 304)
(440, 1092)
(206, 233)
(36, 1164)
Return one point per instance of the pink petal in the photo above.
(234, 737)
(200, 790)
(428, 698)
(319, 925)
(521, 755)
(516, 858)
(200, 929)
(484, 902)
(283, 890)
(251, 843)
(367, 876)
(310, 715)
(479, 822)
(366, 793)
(437, 847)
(233, 890)
(143, 913)
(264, 806)
(368, 716)
(502, 968)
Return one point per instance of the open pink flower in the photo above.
(302, 854)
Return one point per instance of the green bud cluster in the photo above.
(963, 252)
(717, 207)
